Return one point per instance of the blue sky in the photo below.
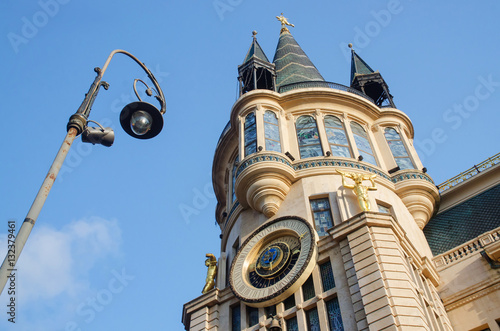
(121, 241)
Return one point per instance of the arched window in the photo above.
(272, 132)
(250, 134)
(233, 181)
(363, 144)
(307, 134)
(337, 138)
(398, 149)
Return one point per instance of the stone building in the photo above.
(324, 209)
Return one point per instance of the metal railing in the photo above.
(466, 249)
(475, 170)
(335, 86)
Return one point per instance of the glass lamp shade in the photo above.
(141, 120)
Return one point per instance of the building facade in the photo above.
(322, 205)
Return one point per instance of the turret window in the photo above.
(337, 138)
(398, 149)
(272, 132)
(250, 134)
(322, 215)
(308, 137)
(233, 181)
(363, 144)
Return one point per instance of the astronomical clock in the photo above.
(274, 261)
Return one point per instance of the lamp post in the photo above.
(139, 119)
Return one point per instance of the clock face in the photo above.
(274, 261)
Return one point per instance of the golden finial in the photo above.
(350, 45)
(284, 23)
(254, 34)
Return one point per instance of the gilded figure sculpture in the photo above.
(211, 263)
(284, 22)
(358, 188)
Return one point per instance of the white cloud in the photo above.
(55, 268)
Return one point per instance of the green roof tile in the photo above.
(464, 222)
(292, 64)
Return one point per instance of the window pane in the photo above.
(333, 121)
(327, 276)
(233, 195)
(292, 325)
(340, 151)
(289, 302)
(383, 209)
(397, 148)
(305, 122)
(368, 158)
(308, 137)
(334, 316)
(270, 117)
(336, 136)
(308, 289)
(272, 145)
(363, 144)
(252, 148)
(310, 151)
(249, 120)
(391, 134)
(253, 316)
(404, 163)
(358, 129)
(313, 320)
(250, 134)
(322, 215)
(271, 131)
(235, 318)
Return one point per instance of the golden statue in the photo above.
(358, 188)
(284, 23)
(211, 263)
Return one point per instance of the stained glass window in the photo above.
(233, 174)
(337, 138)
(334, 316)
(308, 289)
(308, 136)
(272, 132)
(289, 302)
(322, 215)
(292, 325)
(312, 320)
(235, 318)
(270, 311)
(253, 315)
(250, 134)
(398, 149)
(327, 279)
(363, 144)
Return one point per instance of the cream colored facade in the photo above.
(385, 275)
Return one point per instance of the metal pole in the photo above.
(9, 264)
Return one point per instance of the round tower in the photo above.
(321, 203)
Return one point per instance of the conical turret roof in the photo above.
(358, 66)
(292, 63)
(255, 51)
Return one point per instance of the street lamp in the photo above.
(139, 119)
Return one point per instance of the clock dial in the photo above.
(273, 261)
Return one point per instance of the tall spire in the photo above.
(370, 82)
(256, 72)
(292, 63)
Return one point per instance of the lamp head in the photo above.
(141, 120)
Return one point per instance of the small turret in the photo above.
(370, 82)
